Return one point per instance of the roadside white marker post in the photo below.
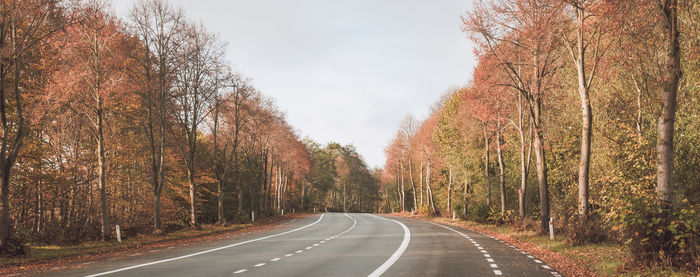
(551, 228)
(453, 216)
(119, 234)
(252, 216)
(282, 211)
(293, 210)
(412, 212)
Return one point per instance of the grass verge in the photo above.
(43, 257)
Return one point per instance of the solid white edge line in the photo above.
(397, 254)
(205, 251)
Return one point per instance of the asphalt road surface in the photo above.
(333, 244)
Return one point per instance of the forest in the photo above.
(141, 122)
(582, 111)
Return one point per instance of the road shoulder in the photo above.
(562, 264)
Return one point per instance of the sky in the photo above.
(345, 71)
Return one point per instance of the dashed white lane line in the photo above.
(538, 261)
(206, 251)
(487, 255)
(397, 254)
(490, 260)
(530, 256)
(493, 265)
(309, 247)
(497, 272)
(546, 267)
(240, 271)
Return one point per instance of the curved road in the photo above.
(334, 244)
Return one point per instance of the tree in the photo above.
(157, 24)
(24, 26)
(198, 79)
(591, 27)
(522, 36)
(91, 78)
(670, 85)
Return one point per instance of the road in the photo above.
(334, 244)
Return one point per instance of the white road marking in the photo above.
(205, 251)
(487, 255)
(546, 267)
(483, 251)
(259, 265)
(315, 244)
(493, 265)
(275, 259)
(288, 255)
(298, 251)
(240, 271)
(323, 241)
(490, 260)
(397, 254)
(480, 248)
(497, 272)
(530, 256)
(538, 261)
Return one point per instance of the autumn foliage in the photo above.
(573, 112)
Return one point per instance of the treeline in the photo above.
(583, 111)
(142, 123)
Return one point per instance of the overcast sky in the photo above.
(345, 71)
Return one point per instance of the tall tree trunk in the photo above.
(104, 219)
(541, 165)
(524, 160)
(670, 85)
(465, 198)
(413, 184)
(501, 167)
(430, 191)
(421, 182)
(449, 192)
(586, 119)
(486, 166)
(403, 189)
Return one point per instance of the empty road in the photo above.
(334, 244)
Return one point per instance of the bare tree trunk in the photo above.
(449, 192)
(486, 166)
(104, 219)
(413, 184)
(541, 168)
(524, 160)
(501, 167)
(586, 120)
(465, 199)
(670, 84)
(403, 189)
(430, 191)
(421, 182)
